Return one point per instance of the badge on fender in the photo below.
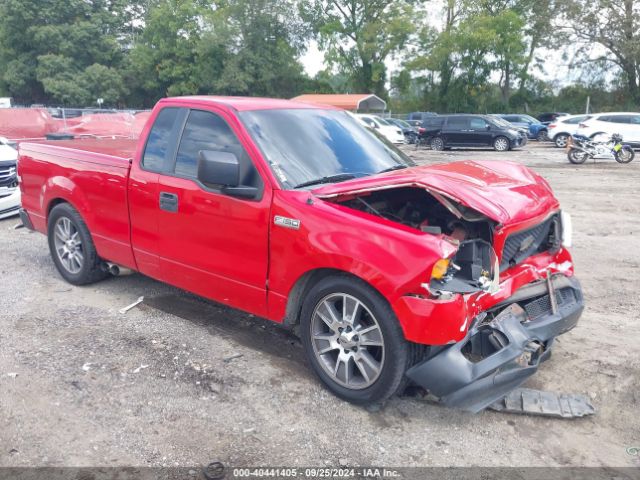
(287, 222)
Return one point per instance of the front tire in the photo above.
(353, 340)
(501, 144)
(625, 155)
(72, 248)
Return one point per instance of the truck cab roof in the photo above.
(244, 103)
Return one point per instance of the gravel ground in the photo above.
(182, 381)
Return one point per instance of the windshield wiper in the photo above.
(400, 166)
(339, 177)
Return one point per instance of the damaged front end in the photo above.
(504, 345)
(489, 307)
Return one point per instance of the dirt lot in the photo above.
(181, 381)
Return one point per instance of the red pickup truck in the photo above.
(452, 277)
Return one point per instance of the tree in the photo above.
(163, 61)
(234, 47)
(251, 47)
(46, 46)
(360, 35)
(613, 25)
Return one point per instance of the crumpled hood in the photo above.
(506, 192)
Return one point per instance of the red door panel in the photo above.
(215, 245)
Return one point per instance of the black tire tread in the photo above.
(403, 352)
(92, 271)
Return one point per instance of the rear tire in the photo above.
(576, 156)
(543, 136)
(359, 352)
(72, 248)
(561, 140)
(437, 143)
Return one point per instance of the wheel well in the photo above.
(304, 284)
(53, 203)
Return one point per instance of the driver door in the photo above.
(211, 243)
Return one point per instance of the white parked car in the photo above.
(390, 131)
(562, 128)
(626, 124)
(9, 191)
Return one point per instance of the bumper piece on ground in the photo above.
(504, 346)
(26, 221)
(548, 404)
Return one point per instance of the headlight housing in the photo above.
(473, 268)
(567, 229)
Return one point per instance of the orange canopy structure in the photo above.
(362, 102)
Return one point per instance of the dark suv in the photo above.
(462, 130)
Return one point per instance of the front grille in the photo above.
(521, 245)
(541, 306)
(7, 175)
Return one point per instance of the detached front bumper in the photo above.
(503, 347)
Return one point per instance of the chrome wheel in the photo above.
(347, 341)
(437, 144)
(561, 141)
(501, 144)
(68, 245)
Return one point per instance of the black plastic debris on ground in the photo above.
(548, 404)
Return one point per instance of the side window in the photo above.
(477, 124)
(433, 122)
(620, 118)
(159, 141)
(605, 118)
(205, 131)
(455, 123)
(577, 120)
(635, 120)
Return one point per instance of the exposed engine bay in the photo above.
(417, 208)
(473, 267)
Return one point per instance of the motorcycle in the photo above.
(582, 148)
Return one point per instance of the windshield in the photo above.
(401, 123)
(382, 121)
(304, 145)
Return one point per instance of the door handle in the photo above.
(168, 202)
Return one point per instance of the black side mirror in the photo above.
(222, 168)
(218, 168)
(488, 127)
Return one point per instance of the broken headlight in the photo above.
(473, 268)
(567, 229)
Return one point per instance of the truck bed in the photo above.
(113, 152)
(92, 175)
